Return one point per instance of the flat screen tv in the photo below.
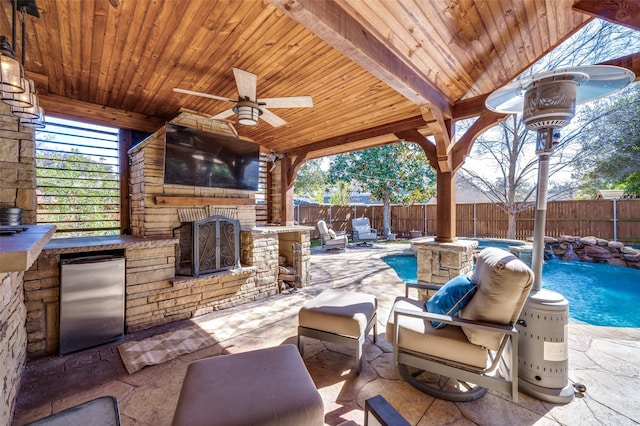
(197, 158)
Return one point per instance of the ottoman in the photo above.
(263, 387)
(339, 317)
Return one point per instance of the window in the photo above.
(78, 178)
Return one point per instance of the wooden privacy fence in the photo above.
(609, 219)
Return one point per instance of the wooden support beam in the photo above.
(286, 191)
(168, 200)
(339, 144)
(62, 107)
(621, 12)
(441, 132)
(426, 145)
(331, 23)
(462, 147)
(446, 207)
(630, 62)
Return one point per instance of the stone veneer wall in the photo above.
(146, 182)
(440, 262)
(17, 166)
(13, 340)
(17, 190)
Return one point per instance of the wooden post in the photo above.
(446, 207)
(286, 192)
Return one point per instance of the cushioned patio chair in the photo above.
(458, 357)
(330, 239)
(362, 232)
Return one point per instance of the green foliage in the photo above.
(77, 192)
(399, 171)
(311, 180)
(396, 173)
(610, 154)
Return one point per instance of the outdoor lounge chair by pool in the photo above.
(471, 348)
(331, 239)
(362, 232)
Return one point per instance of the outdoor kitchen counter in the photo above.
(280, 229)
(109, 242)
(19, 251)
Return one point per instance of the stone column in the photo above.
(440, 262)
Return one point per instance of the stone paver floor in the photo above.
(606, 360)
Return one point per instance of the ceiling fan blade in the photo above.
(287, 102)
(271, 118)
(246, 83)
(224, 114)
(204, 95)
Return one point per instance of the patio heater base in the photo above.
(543, 361)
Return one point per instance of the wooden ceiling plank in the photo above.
(161, 61)
(87, 10)
(104, 70)
(51, 23)
(408, 41)
(158, 51)
(252, 20)
(99, 49)
(131, 60)
(621, 12)
(91, 113)
(333, 25)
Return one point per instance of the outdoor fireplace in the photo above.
(208, 245)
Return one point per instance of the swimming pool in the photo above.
(598, 294)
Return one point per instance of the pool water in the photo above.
(598, 294)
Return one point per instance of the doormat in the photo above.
(163, 347)
(207, 331)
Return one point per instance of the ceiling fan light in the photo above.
(20, 99)
(247, 113)
(9, 68)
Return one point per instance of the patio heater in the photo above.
(547, 102)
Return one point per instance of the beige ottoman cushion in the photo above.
(338, 312)
(264, 387)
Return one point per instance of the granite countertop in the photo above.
(108, 242)
(280, 229)
(18, 251)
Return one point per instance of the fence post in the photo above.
(615, 220)
(475, 221)
(330, 216)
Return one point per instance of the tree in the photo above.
(610, 154)
(75, 188)
(508, 164)
(311, 180)
(396, 173)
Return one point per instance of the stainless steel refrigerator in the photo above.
(92, 294)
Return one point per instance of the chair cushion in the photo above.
(332, 234)
(268, 386)
(451, 297)
(504, 282)
(341, 312)
(361, 229)
(419, 335)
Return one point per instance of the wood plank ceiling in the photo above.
(373, 68)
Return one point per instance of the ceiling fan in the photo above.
(248, 107)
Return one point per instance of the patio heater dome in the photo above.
(547, 102)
